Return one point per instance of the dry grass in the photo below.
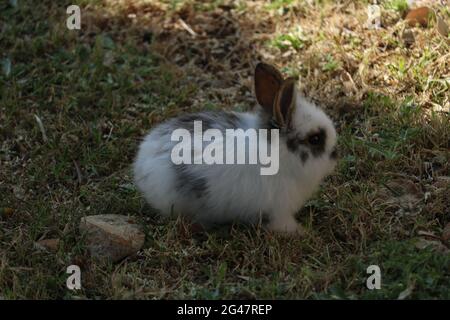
(135, 63)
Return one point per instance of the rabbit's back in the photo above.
(206, 192)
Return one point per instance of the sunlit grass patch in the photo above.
(407, 272)
(295, 40)
(397, 5)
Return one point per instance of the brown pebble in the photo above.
(49, 244)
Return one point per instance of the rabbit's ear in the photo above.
(268, 82)
(285, 103)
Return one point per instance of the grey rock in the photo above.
(111, 236)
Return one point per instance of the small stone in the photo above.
(408, 37)
(48, 244)
(19, 192)
(112, 237)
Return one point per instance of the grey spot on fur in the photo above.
(304, 156)
(318, 149)
(301, 145)
(293, 143)
(188, 183)
(296, 145)
(221, 120)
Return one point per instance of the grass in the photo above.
(398, 5)
(286, 41)
(98, 90)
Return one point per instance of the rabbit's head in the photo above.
(304, 128)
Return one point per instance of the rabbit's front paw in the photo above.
(301, 230)
(287, 225)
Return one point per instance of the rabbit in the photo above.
(212, 194)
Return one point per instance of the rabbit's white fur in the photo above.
(239, 192)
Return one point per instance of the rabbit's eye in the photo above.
(315, 139)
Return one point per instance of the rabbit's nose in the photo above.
(334, 154)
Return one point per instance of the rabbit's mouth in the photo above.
(334, 154)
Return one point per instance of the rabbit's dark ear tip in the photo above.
(260, 65)
(265, 66)
(263, 69)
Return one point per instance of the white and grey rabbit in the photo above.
(221, 193)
